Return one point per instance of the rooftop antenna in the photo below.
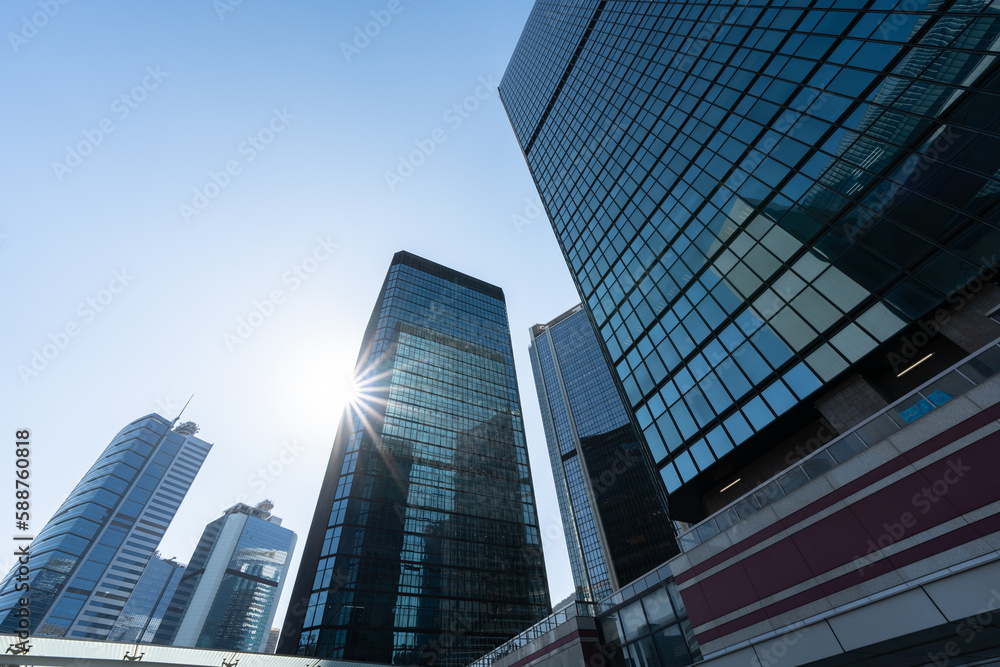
(177, 418)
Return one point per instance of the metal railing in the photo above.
(547, 624)
(951, 383)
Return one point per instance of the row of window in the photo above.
(652, 124)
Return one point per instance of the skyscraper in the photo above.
(783, 219)
(424, 547)
(614, 509)
(272, 640)
(227, 597)
(759, 201)
(141, 617)
(87, 560)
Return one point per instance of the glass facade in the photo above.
(227, 597)
(425, 547)
(613, 509)
(178, 604)
(753, 196)
(87, 560)
(649, 628)
(141, 617)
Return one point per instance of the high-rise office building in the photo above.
(272, 641)
(613, 507)
(141, 616)
(782, 219)
(758, 200)
(424, 547)
(227, 597)
(87, 560)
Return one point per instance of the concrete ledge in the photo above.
(752, 525)
(805, 611)
(865, 589)
(910, 611)
(993, 539)
(802, 497)
(710, 548)
(936, 422)
(863, 462)
(968, 593)
(961, 443)
(985, 395)
(744, 657)
(755, 630)
(799, 647)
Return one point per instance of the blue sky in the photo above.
(173, 167)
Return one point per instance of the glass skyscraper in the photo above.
(87, 560)
(613, 508)
(140, 619)
(424, 547)
(227, 597)
(758, 200)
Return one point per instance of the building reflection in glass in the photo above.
(425, 547)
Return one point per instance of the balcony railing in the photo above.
(547, 624)
(972, 371)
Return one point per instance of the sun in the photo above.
(364, 391)
(311, 385)
(351, 391)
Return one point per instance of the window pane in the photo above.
(659, 611)
(846, 447)
(641, 653)
(611, 629)
(633, 620)
(986, 365)
(671, 647)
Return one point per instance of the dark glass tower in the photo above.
(614, 510)
(424, 548)
(144, 610)
(87, 560)
(758, 200)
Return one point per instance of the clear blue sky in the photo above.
(120, 251)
